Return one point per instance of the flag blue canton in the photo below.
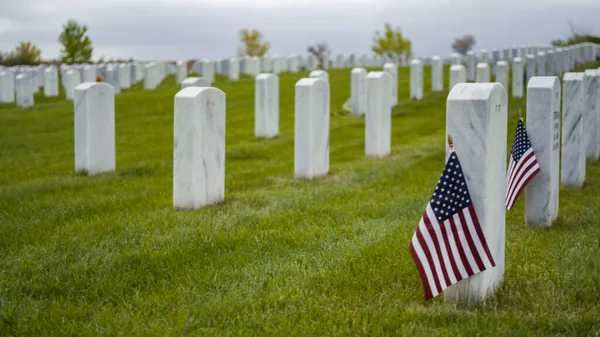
(521, 143)
(451, 194)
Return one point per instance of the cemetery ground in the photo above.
(108, 254)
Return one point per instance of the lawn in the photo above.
(108, 254)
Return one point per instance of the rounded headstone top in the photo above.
(573, 76)
(476, 91)
(543, 82)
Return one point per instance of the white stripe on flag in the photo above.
(442, 244)
(426, 267)
(455, 253)
(524, 179)
(484, 258)
(432, 253)
(465, 245)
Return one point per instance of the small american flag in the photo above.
(449, 245)
(522, 168)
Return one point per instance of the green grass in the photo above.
(108, 255)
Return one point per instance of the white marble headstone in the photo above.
(311, 128)
(530, 69)
(378, 119)
(233, 72)
(484, 56)
(24, 90)
(89, 73)
(112, 78)
(483, 73)
(456, 59)
(180, 72)
(543, 129)
(541, 63)
(266, 106)
(322, 74)
(476, 117)
(72, 81)
(416, 79)
(94, 128)
(7, 87)
(195, 82)
(517, 78)
(591, 113)
(471, 63)
(573, 146)
(458, 74)
(358, 91)
(502, 74)
(392, 69)
(199, 151)
(208, 70)
(437, 74)
(124, 76)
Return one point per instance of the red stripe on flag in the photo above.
(480, 234)
(455, 270)
(422, 274)
(461, 251)
(429, 259)
(518, 171)
(436, 244)
(521, 182)
(472, 247)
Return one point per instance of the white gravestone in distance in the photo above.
(456, 59)
(392, 69)
(181, 72)
(543, 129)
(416, 79)
(541, 63)
(471, 63)
(484, 56)
(517, 78)
(112, 78)
(234, 69)
(72, 80)
(208, 70)
(322, 74)
(89, 73)
(199, 151)
(476, 117)
(94, 122)
(124, 76)
(311, 128)
(502, 74)
(51, 82)
(7, 87)
(266, 106)
(573, 147)
(458, 74)
(195, 82)
(24, 91)
(378, 120)
(530, 69)
(550, 59)
(591, 113)
(358, 92)
(483, 73)
(437, 74)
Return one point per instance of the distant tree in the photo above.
(321, 52)
(464, 44)
(25, 53)
(252, 44)
(578, 35)
(392, 44)
(77, 47)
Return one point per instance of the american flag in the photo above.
(449, 245)
(522, 168)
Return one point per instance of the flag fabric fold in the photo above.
(523, 166)
(449, 245)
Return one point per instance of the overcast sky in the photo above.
(179, 29)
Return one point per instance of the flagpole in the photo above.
(524, 200)
(451, 145)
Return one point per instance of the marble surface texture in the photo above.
(458, 74)
(471, 64)
(358, 91)
(437, 74)
(199, 147)
(573, 147)
(7, 87)
(311, 128)
(483, 73)
(502, 74)
(591, 112)
(543, 129)
(195, 82)
(378, 119)
(416, 79)
(266, 106)
(24, 91)
(392, 69)
(94, 122)
(517, 78)
(476, 117)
